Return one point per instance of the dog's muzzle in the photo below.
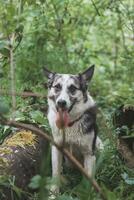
(62, 116)
(62, 104)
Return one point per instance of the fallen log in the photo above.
(61, 148)
(20, 157)
(123, 121)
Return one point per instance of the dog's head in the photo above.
(68, 92)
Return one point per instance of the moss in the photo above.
(21, 139)
(5, 150)
(11, 145)
(3, 162)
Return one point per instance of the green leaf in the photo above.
(19, 116)
(37, 117)
(35, 182)
(109, 194)
(3, 108)
(129, 181)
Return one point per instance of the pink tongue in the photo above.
(62, 119)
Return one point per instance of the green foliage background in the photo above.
(67, 36)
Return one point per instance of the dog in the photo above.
(70, 106)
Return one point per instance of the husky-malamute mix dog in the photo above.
(68, 97)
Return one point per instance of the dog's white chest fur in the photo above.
(73, 135)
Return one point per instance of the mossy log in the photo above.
(124, 116)
(20, 156)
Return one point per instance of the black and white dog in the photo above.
(68, 97)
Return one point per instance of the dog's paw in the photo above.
(52, 197)
(53, 192)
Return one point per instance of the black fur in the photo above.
(89, 123)
(83, 87)
(50, 82)
(84, 78)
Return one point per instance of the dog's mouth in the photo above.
(62, 118)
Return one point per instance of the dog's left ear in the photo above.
(88, 74)
(48, 73)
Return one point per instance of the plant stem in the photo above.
(12, 74)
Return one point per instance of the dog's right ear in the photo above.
(48, 73)
(88, 74)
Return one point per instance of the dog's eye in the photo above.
(57, 87)
(72, 89)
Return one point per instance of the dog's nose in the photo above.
(61, 103)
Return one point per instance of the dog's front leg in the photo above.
(89, 164)
(56, 167)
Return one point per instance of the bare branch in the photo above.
(12, 73)
(97, 11)
(21, 94)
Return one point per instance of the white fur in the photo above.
(63, 95)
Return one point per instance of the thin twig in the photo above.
(21, 94)
(12, 73)
(97, 11)
(61, 148)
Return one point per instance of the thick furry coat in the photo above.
(69, 93)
